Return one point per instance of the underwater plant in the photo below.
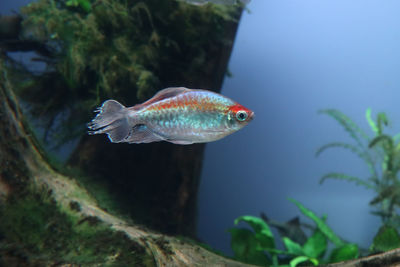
(381, 153)
(259, 246)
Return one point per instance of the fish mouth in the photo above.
(251, 116)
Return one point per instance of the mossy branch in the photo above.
(47, 207)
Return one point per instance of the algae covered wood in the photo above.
(127, 50)
(49, 219)
(386, 259)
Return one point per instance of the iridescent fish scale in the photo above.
(192, 112)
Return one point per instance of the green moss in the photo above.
(96, 189)
(34, 228)
(86, 188)
(75, 206)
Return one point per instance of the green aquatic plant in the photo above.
(381, 153)
(103, 49)
(84, 4)
(258, 246)
(386, 239)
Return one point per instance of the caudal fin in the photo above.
(111, 120)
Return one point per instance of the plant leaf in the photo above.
(315, 246)
(278, 251)
(350, 147)
(382, 119)
(244, 244)
(343, 253)
(386, 239)
(355, 132)
(363, 154)
(371, 121)
(322, 226)
(390, 192)
(262, 231)
(293, 247)
(85, 5)
(314, 261)
(300, 259)
(381, 138)
(342, 176)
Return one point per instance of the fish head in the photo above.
(239, 116)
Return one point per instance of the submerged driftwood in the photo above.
(25, 171)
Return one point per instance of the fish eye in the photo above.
(241, 115)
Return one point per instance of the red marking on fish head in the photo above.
(241, 113)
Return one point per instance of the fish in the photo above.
(291, 229)
(222, 2)
(177, 115)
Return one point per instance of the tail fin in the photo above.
(111, 120)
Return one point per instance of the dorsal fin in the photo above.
(294, 221)
(163, 94)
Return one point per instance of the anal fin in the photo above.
(140, 133)
(180, 142)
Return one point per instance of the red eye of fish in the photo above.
(241, 113)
